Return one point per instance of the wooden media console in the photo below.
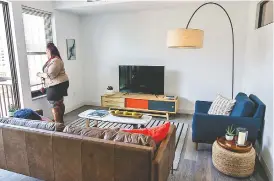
(155, 105)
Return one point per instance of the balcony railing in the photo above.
(6, 97)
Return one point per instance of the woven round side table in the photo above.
(231, 163)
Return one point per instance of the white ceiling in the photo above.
(85, 8)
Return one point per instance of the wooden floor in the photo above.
(194, 165)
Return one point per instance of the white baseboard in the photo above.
(88, 103)
(266, 169)
(70, 109)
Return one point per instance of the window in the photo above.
(9, 91)
(265, 13)
(38, 32)
(5, 72)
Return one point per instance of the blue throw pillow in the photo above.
(240, 96)
(27, 114)
(244, 106)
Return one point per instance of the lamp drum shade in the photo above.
(185, 38)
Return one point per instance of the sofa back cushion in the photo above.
(93, 132)
(259, 107)
(244, 106)
(111, 134)
(44, 125)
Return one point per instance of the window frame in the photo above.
(259, 18)
(48, 37)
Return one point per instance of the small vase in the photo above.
(228, 137)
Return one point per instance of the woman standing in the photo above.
(56, 81)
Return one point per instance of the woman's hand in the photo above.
(40, 74)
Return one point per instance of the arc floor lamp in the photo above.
(193, 38)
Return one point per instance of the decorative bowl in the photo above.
(135, 115)
(110, 92)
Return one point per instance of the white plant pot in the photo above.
(229, 138)
(110, 92)
(11, 114)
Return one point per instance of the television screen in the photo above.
(142, 79)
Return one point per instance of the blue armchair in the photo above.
(248, 112)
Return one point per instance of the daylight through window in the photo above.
(38, 32)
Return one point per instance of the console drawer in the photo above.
(136, 103)
(113, 102)
(113, 99)
(161, 106)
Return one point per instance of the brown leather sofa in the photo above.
(57, 156)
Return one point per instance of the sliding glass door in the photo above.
(9, 94)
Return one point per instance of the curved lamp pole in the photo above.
(193, 38)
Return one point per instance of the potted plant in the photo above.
(229, 133)
(110, 90)
(11, 110)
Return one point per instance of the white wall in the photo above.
(258, 77)
(139, 38)
(66, 27)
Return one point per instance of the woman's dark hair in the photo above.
(53, 50)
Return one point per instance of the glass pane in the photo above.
(5, 73)
(35, 63)
(35, 35)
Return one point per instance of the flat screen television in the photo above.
(142, 79)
